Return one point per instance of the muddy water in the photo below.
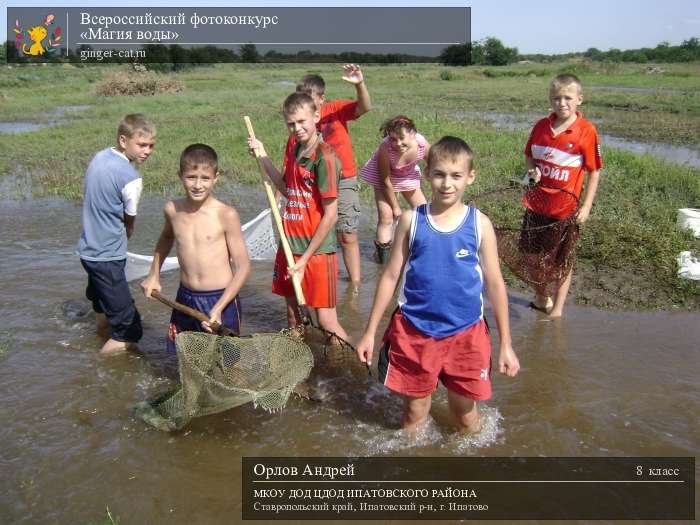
(598, 383)
(669, 152)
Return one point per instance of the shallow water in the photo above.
(54, 118)
(629, 89)
(524, 121)
(598, 383)
(283, 83)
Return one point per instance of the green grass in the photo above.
(632, 228)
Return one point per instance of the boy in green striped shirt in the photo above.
(309, 181)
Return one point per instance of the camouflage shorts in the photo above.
(348, 206)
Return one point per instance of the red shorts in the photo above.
(318, 284)
(410, 363)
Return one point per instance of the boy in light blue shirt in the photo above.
(112, 191)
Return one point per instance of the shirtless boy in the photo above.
(207, 234)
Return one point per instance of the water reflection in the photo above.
(54, 118)
(594, 383)
(515, 122)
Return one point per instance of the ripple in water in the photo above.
(383, 438)
(75, 310)
(490, 433)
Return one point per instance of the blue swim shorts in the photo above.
(204, 302)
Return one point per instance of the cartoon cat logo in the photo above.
(37, 35)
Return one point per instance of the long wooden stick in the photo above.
(278, 220)
(196, 314)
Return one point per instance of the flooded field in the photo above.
(677, 154)
(598, 383)
(53, 118)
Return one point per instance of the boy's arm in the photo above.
(330, 216)
(240, 263)
(353, 74)
(386, 287)
(162, 249)
(591, 189)
(496, 291)
(131, 194)
(385, 180)
(129, 222)
(275, 176)
(533, 172)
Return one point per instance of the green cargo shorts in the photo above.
(348, 205)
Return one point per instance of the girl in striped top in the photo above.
(393, 168)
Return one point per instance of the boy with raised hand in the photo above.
(209, 242)
(310, 184)
(447, 253)
(561, 150)
(112, 190)
(333, 125)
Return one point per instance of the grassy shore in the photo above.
(628, 249)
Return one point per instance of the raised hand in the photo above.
(353, 74)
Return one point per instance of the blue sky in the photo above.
(535, 26)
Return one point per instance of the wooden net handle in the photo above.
(278, 220)
(196, 314)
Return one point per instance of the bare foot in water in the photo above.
(112, 347)
(542, 304)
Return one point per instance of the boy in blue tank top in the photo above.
(448, 255)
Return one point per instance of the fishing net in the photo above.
(536, 248)
(218, 373)
(332, 355)
(259, 237)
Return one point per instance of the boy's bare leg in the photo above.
(351, 255)
(465, 412)
(560, 296)
(328, 319)
(416, 410)
(112, 347)
(293, 314)
(103, 328)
